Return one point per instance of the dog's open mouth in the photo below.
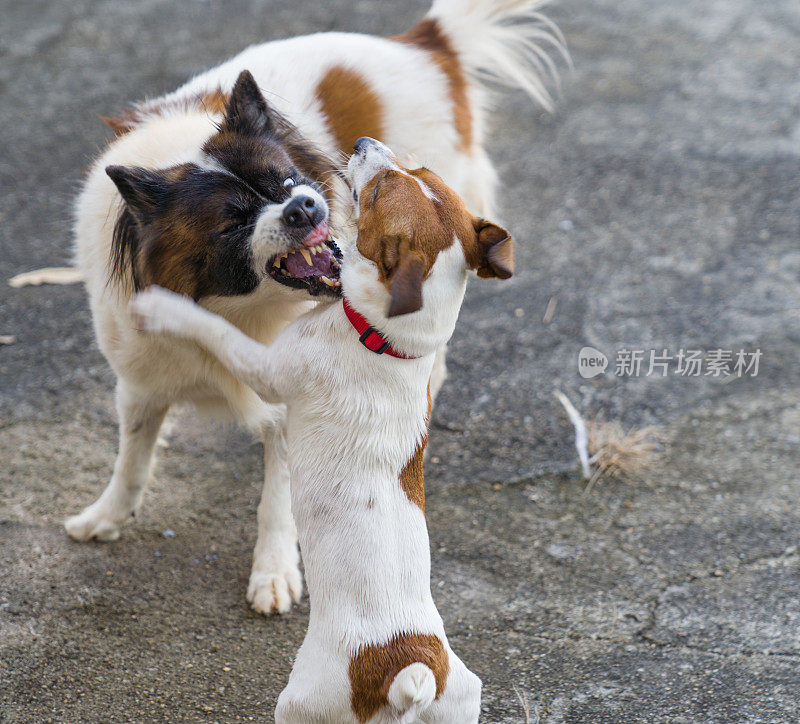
(313, 265)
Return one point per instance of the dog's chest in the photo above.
(360, 415)
(359, 425)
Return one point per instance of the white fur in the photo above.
(154, 373)
(504, 42)
(412, 692)
(355, 419)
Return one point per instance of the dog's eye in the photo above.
(289, 182)
(238, 228)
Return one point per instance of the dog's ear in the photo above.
(405, 279)
(495, 251)
(142, 189)
(247, 111)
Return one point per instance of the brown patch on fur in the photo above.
(373, 669)
(212, 102)
(427, 35)
(122, 123)
(351, 107)
(412, 479)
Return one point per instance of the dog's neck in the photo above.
(420, 333)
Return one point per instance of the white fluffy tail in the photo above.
(412, 691)
(507, 42)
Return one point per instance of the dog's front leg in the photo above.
(140, 419)
(162, 312)
(275, 579)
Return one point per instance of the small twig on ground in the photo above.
(50, 275)
(581, 436)
(550, 310)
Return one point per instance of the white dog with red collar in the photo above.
(358, 407)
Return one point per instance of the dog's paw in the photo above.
(274, 592)
(159, 311)
(92, 523)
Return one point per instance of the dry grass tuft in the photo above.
(607, 450)
(617, 453)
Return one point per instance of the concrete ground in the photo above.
(657, 209)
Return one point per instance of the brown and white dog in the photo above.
(213, 193)
(376, 648)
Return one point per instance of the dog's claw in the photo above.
(89, 524)
(274, 593)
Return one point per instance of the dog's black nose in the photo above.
(361, 144)
(302, 211)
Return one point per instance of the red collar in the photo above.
(373, 340)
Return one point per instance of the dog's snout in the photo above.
(302, 211)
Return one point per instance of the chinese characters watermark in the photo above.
(714, 363)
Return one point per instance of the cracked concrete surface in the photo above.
(656, 209)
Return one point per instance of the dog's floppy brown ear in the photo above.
(496, 250)
(247, 111)
(405, 281)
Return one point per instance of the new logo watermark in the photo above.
(664, 363)
(591, 362)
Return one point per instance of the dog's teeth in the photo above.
(277, 263)
(314, 250)
(306, 256)
(329, 282)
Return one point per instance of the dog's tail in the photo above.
(412, 692)
(505, 42)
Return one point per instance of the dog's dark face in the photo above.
(253, 209)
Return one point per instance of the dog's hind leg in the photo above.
(275, 580)
(140, 419)
(460, 702)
